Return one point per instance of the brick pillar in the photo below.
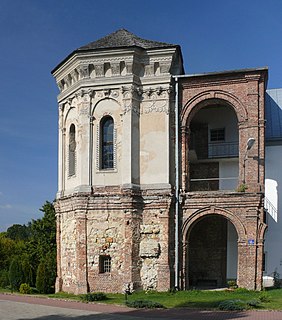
(81, 252)
(163, 267)
(248, 263)
(59, 280)
(131, 249)
(184, 158)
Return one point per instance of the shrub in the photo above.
(264, 297)
(232, 284)
(15, 274)
(253, 303)
(46, 274)
(41, 278)
(25, 288)
(231, 305)
(4, 279)
(97, 296)
(147, 304)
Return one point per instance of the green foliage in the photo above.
(15, 273)
(276, 277)
(25, 288)
(27, 270)
(32, 243)
(147, 304)
(231, 305)
(7, 251)
(255, 303)
(4, 278)
(232, 284)
(264, 297)
(242, 188)
(94, 296)
(18, 232)
(41, 279)
(46, 274)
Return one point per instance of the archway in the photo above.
(211, 252)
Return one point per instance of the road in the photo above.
(20, 307)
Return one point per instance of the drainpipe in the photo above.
(176, 185)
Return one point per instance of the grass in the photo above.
(194, 299)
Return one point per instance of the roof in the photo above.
(117, 40)
(273, 114)
(220, 73)
(123, 38)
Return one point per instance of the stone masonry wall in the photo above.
(131, 230)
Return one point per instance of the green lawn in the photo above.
(196, 298)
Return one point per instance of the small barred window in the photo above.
(105, 264)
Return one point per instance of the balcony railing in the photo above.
(213, 184)
(223, 150)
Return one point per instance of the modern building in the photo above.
(134, 213)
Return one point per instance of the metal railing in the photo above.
(223, 150)
(211, 184)
(270, 208)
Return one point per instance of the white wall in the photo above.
(232, 251)
(273, 191)
(228, 169)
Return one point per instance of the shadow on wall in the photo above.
(273, 136)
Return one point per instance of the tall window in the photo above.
(72, 147)
(107, 143)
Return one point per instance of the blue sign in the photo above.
(251, 242)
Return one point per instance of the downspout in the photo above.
(91, 118)
(176, 285)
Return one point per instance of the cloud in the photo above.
(5, 206)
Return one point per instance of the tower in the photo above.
(116, 165)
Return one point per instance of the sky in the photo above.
(36, 35)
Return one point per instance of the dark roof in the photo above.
(123, 38)
(119, 39)
(273, 114)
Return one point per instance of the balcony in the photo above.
(223, 150)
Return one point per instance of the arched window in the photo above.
(107, 143)
(72, 147)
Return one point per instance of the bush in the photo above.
(15, 273)
(4, 279)
(253, 303)
(232, 284)
(25, 288)
(147, 304)
(46, 274)
(97, 296)
(231, 305)
(264, 297)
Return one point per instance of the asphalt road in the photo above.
(18, 307)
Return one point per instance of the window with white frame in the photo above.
(72, 150)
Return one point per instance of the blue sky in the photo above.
(37, 34)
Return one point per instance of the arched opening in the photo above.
(107, 143)
(211, 253)
(213, 148)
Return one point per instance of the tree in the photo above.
(16, 273)
(46, 275)
(18, 232)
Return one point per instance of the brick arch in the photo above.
(209, 97)
(189, 222)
